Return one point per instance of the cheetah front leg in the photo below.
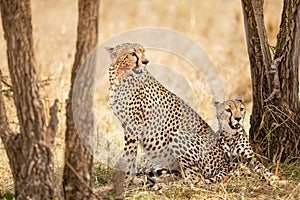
(219, 177)
(249, 158)
(129, 155)
(190, 171)
(218, 170)
(193, 172)
(262, 170)
(239, 169)
(126, 164)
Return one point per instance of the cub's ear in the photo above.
(216, 103)
(239, 99)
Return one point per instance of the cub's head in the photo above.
(231, 114)
(127, 58)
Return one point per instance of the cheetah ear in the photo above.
(239, 99)
(110, 51)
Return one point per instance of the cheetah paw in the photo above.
(275, 181)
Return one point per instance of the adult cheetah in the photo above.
(171, 133)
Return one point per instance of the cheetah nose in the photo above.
(238, 118)
(145, 62)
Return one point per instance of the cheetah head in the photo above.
(128, 58)
(231, 114)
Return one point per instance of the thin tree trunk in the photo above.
(287, 51)
(77, 177)
(275, 112)
(259, 58)
(30, 150)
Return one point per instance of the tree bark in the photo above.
(77, 177)
(275, 112)
(30, 150)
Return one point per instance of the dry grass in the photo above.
(216, 25)
(235, 187)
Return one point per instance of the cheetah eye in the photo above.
(228, 110)
(242, 109)
(137, 58)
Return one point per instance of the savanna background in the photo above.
(215, 25)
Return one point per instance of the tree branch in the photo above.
(273, 70)
(5, 83)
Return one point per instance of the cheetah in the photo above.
(234, 139)
(169, 131)
(231, 150)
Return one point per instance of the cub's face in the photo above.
(231, 114)
(128, 58)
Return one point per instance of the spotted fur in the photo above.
(172, 135)
(234, 139)
(170, 132)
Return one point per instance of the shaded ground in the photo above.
(235, 187)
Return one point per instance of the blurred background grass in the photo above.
(216, 25)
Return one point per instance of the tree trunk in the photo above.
(30, 150)
(275, 112)
(77, 177)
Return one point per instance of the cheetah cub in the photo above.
(235, 140)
